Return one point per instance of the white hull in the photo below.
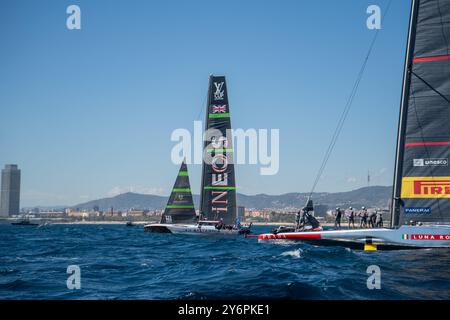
(405, 237)
(190, 229)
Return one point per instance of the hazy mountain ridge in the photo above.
(376, 196)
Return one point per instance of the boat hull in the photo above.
(405, 237)
(191, 229)
(24, 224)
(157, 228)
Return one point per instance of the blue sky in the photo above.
(89, 113)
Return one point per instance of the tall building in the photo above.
(241, 212)
(10, 191)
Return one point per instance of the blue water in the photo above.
(119, 262)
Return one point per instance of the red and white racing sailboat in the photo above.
(420, 212)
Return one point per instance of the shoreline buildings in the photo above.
(10, 191)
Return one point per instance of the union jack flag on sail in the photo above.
(219, 108)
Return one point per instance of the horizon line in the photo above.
(194, 194)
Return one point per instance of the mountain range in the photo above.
(373, 196)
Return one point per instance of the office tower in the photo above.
(10, 191)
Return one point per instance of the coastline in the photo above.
(102, 222)
(141, 223)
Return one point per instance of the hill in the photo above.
(376, 196)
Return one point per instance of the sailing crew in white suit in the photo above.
(363, 215)
(351, 217)
(379, 220)
(297, 219)
(372, 219)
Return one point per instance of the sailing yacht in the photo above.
(420, 212)
(179, 211)
(218, 210)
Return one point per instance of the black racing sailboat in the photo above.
(180, 206)
(420, 213)
(218, 211)
(218, 187)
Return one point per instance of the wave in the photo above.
(117, 262)
(293, 253)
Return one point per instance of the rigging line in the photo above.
(430, 86)
(346, 108)
(203, 105)
(336, 131)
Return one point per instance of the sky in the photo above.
(89, 113)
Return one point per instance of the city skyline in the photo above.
(95, 107)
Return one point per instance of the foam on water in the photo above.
(292, 253)
(118, 262)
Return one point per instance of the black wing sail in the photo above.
(180, 207)
(424, 184)
(218, 193)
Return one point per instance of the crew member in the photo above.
(379, 221)
(237, 223)
(372, 219)
(338, 216)
(351, 217)
(220, 224)
(297, 220)
(315, 224)
(363, 215)
(301, 219)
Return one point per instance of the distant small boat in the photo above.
(24, 223)
(130, 224)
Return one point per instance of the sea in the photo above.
(123, 262)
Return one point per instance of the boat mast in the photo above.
(202, 186)
(396, 201)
